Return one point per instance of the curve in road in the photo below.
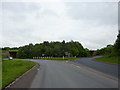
(58, 74)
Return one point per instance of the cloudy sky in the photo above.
(93, 24)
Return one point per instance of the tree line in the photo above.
(67, 49)
(111, 50)
(53, 49)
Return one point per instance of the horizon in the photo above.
(36, 22)
(55, 41)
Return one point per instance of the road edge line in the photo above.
(93, 70)
(17, 79)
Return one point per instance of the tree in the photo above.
(55, 49)
(6, 48)
(117, 44)
(111, 50)
(25, 51)
(108, 51)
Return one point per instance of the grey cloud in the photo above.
(20, 7)
(92, 24)
(119, 15)
(46, 13)
(101, 13)
(18, 11)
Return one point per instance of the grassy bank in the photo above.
(13, 69)
(114, 60)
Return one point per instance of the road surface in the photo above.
(61, 74)
(111, 69)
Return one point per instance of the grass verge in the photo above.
(61, 58)
(115, 60)
(12, 69)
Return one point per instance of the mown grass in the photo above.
(12, 69)
(60, 58)
(115, 60)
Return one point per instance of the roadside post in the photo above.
(63, 57)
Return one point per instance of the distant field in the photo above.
(13, 69)
(60, 58)
(115, 60)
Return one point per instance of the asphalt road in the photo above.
(58, 74)
(111, 69)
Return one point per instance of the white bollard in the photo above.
(63, 57)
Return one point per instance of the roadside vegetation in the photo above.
(108, 59)
(4, 56)
(51, 49)
(59, 58)
(110, 53)
(12, 69)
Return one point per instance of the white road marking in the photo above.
(78, 66)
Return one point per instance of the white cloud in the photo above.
(92, 24)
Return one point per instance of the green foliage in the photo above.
(8, 48)
(111, 50)
(61, 58)
(54, 49)
(13, 69)
(109, 59)
(117, 45)
(58, 58)
(25, 51)
(4, 56)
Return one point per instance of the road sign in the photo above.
(43, 55)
